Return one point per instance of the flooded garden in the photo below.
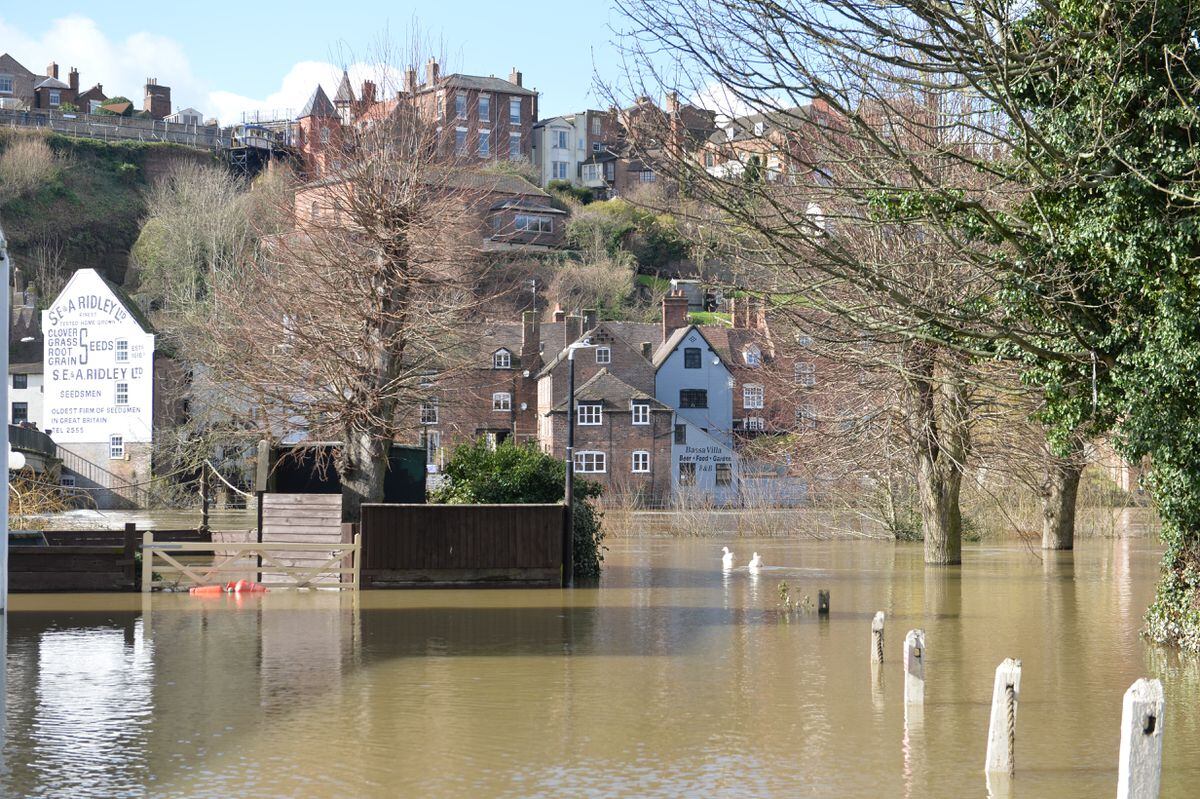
(671, 677)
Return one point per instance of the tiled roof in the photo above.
(344, 94)
(51, 83)
(743, 127)
(607, 388)
(488, 84)
(318, 106)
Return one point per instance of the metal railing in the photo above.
(28, 439)
(98, 475)
(115, 128)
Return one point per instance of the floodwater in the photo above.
(669, 679)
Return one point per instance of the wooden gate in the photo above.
(308, 519)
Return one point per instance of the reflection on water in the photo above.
(670, 679)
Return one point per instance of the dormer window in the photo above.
(502, 359)
(603, 355)
(752, 355)
(760, 128)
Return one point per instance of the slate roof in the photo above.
(676, 338)
(318, 106)
(521, 204)
(488, 84)
(51, 83)
(345, 94)
(632, 333)
(611, 391)
(25, 357)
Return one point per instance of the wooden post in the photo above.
(130, 555)
(1002, 730)
(205, 490)
(1139, 773)
(877, 637)
(259, 495)
(349, 534)
(914, 667)
(823, 602)
(147, 557)
(357, 561)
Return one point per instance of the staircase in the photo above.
(123, 491)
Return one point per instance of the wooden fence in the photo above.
(462, 545)
(324, 564)
(300, 519)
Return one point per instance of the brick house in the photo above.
(319, 134)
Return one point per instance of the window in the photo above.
(20, 412)
(724, 474)
(502, 401)
(502, 359)
(429, 412)
(646, 176)
(710, 160)
(460, 141)
(485, 108)
(122, 394)
(94, 106)
(514, 146)
(590, 413)
(806, 416)
(804, 341)
(314, 210)
(597, 146)
(559, 139)
(591, 462)
(603, 355)
(591, 172)
(641, 462)
(806, 373)
(641, 412)
(432, 440)
(514, 111)
(116, 447)
(687, 474)
(752, 355)
(610, 170)
(693, 398)
(691, 357)
(460, 105)
(760, 128)
(485, 143)
(534, 224)
(754, 424)
(596, 126)
(681, 434)
(20, 381)
(752, 395)
(6, 84)
(67, 481)
(122, 350)
(441, 105)
(55, 98)
(558, 170)
(324, 135)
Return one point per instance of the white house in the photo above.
(98, 368)
(186, 116)
(561, 144)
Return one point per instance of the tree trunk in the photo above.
(362, 467)
(1058, 499)
(941, 516)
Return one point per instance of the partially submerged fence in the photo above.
(314, 520)
(462, 545)
(324, 566)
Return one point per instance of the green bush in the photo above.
(511, 474)
(566, 191)
(654, 239)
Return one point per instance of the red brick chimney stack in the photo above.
(573, 329)
(674, 313)
(52, 70)
(514, 76)
(559, 314)
(73, 80)
(410, 80)
(367, 96)
(432, 72)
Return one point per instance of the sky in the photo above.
(228, 58)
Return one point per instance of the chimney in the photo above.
(674, 313)
(431, 72)
(741, 320)
(647, 350)
(52, 70)
(410, 80)
(73, 80)
(514, 76)
(672, 103)
(589, 318)
(531, 337)
(758, 314)
(559, 314)
(573, 329)
(367, 96)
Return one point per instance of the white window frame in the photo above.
(121, 393)
(514, 146)
(460, 105)
(465, 147)
(485, 101)
(639, 461)
(752, 396)
(640, 412)
(589, 414)
(562, 140)
(647, 176)
(806, 416)
(591, 461)
(754, 424)
(8, 80)
(752, 355)
(122, 350)
(433, 446)
(67, 481)
(501, 401)
(603, 355)
(116, 448)
(514, 103)
(501, 359)
(806, 373)
(430, 411)
(485, 142)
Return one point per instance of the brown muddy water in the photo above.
(668, 679)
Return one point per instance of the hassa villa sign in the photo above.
(98, 365)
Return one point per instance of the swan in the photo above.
(756, 562)
(726, 558)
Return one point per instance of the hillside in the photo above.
(86, 209)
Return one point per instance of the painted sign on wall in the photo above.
(99, 366)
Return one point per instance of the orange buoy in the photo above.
(248, 587)
(206, 590)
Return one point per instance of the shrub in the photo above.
(27, 165)
(566, 191)
(511, 474)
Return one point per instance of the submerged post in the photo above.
(914, 667)
(1002, 730)
(823, 602)
(1139, 773)
(877, 637)
(147, 565)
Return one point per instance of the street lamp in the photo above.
(569, 544)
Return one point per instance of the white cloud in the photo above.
(716, 96)
(122, 66)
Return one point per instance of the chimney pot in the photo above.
(559, 315)
(52, 70)
(73, 80)
(589, 318)
(647, 350)
(514, 76)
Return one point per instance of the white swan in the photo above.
(756, 562)
(726, 558)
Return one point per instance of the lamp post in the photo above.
(569, 544)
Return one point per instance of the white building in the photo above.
(24, 365)
(561, 144)
(186, 116)
(98, 368)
